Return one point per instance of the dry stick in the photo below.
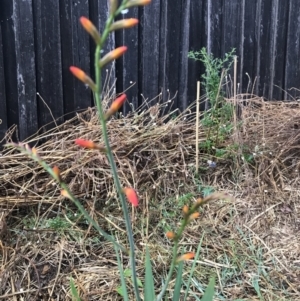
(197, 126)
(39, 95)
(236, 134)
(234, 93)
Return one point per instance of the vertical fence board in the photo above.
(149, 49)
(48, 60)
(20, 66)
(292, 70)
(3, 112)
(26, 76)
(249, 46)
(183, 53)
(232, 33)
(75, 51)
(197, 40)
(277, 65)
(264, 17)
(214, 27)
(128, 65)
(170, 54)
(10, 62)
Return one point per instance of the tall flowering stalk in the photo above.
(116, 105)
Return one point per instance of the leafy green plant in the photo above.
(218, 119)
(125, 193)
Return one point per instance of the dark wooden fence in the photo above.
(40, 39)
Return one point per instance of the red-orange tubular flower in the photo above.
(131, 3)
(81, 75)
(116, 106)
(112, 55)
(194, 216)
(125, 23)
(186, 256)
(89, 144)
(66, 194)
(131, 196)
(86, 143)
(91, 29)
(185, 209)
(170, 235)
(56, 172)
(34, 151)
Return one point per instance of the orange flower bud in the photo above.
(34, 151)
(194, 216)
(112, 55)
(125, 23)
(115, 106)
(83, 77)
(91, 29)
(170, 235)
(131, 196)
(131, 3)
(186, 256)
(56, 173)
(89, 144)
(66, 194)
(85, 143)
(185, 209)
(113, 6)
(199, 201)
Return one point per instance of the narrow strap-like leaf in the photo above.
(149, 291)
(210, 291)
(122, 276)
(193, 268)
(178, 283)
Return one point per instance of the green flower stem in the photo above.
(98, 100)
(109, 22)
(174, 258)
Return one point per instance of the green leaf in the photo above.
(139, 282)
(210, 291)
(149, 291)
(127, 273)
(122, 290)
(75, 295)
(176, 295)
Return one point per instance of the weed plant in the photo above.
(218, 114)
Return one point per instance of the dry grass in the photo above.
(251, 244)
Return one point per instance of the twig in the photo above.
(197, 126)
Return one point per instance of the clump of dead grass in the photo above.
(272, 131)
